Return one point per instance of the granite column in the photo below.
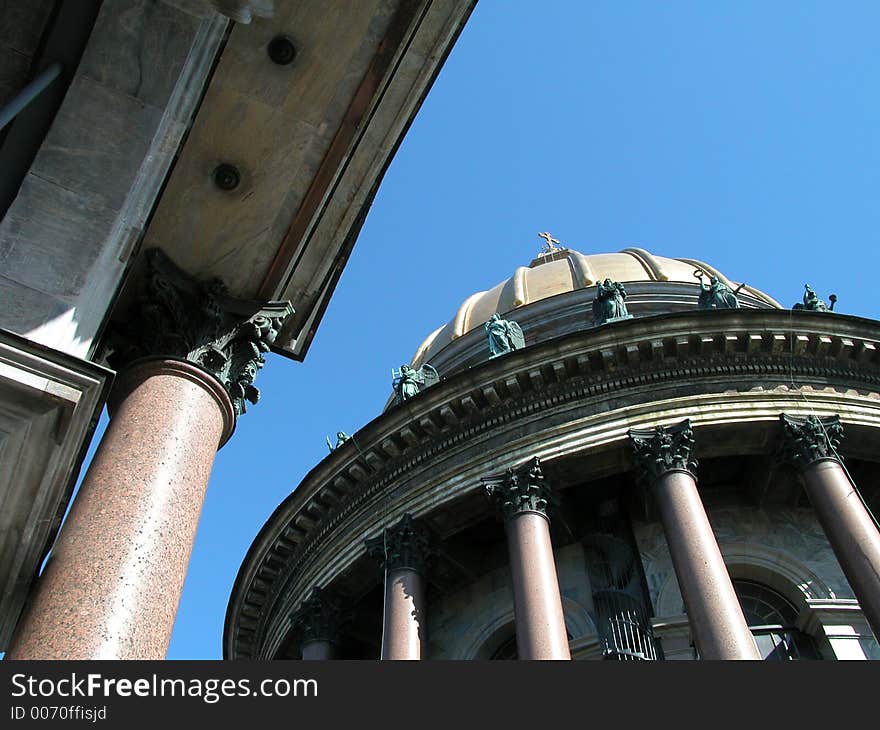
(537, 603)
(811, 445)
(403, 551)
(187, 355)
(717, 622)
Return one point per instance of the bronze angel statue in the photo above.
(504, 336)
(408, 381)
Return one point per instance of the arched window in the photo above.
(507, 650)
(772, 618)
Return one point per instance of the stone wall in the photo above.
(474, 621)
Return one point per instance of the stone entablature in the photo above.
(721, 369)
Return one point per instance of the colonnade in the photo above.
(663, 456)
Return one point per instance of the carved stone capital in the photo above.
(519, 492)
(810, 439)
(319, 617)
(663, 449)
(175, 316)
(405, 545)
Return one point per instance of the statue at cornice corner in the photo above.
(610, 302)
(408, 381)
(716, 294)
(813, 303)
(503, 335)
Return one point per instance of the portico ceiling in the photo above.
(310, 139)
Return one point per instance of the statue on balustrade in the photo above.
(610, 302)
(813, 303)
(504, 336)
(716, 294)
(341, 438)
(408, 381)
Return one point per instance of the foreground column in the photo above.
(187, 361)
(403, 550)
(318, 620)
(811, 445)
(717, 622)
(537, 604)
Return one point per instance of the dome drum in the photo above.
(570, 400)
(564, 313)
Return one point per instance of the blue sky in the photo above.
(741, 133)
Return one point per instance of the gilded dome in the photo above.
(562, 270)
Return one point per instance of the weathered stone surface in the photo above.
(13, 73)
(139, 48)
(97, 142)
(27, 310)
(23, 24)
(50, 239)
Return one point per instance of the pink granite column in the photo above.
(403, 631)
(719, 628)
(812, 444)
(537, 603)
(402, 551)
(187, 354)
(111, 587)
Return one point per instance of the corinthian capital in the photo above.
(805, 440)
(319, 617)
(176, 316)
(663, 449)
(405, 545)
(519, 492)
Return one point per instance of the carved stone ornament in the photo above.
(518, 493)
(319, 617)
(405, 545)
(663, 449)
(175, 316)
(805, 440)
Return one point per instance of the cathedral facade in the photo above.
(609, 456)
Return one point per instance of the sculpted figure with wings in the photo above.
(504, 336)
(407, 381)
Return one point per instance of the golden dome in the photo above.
(563, 270)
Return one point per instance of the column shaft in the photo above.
(717, 621)
(850, 530)
(318, 650)
(112, 585)
(540, 622)
(403, 632)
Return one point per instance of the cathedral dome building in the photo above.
(619, 456)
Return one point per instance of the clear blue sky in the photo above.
(745, 134)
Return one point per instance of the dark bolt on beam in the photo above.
(226, 176)
(281, 50)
